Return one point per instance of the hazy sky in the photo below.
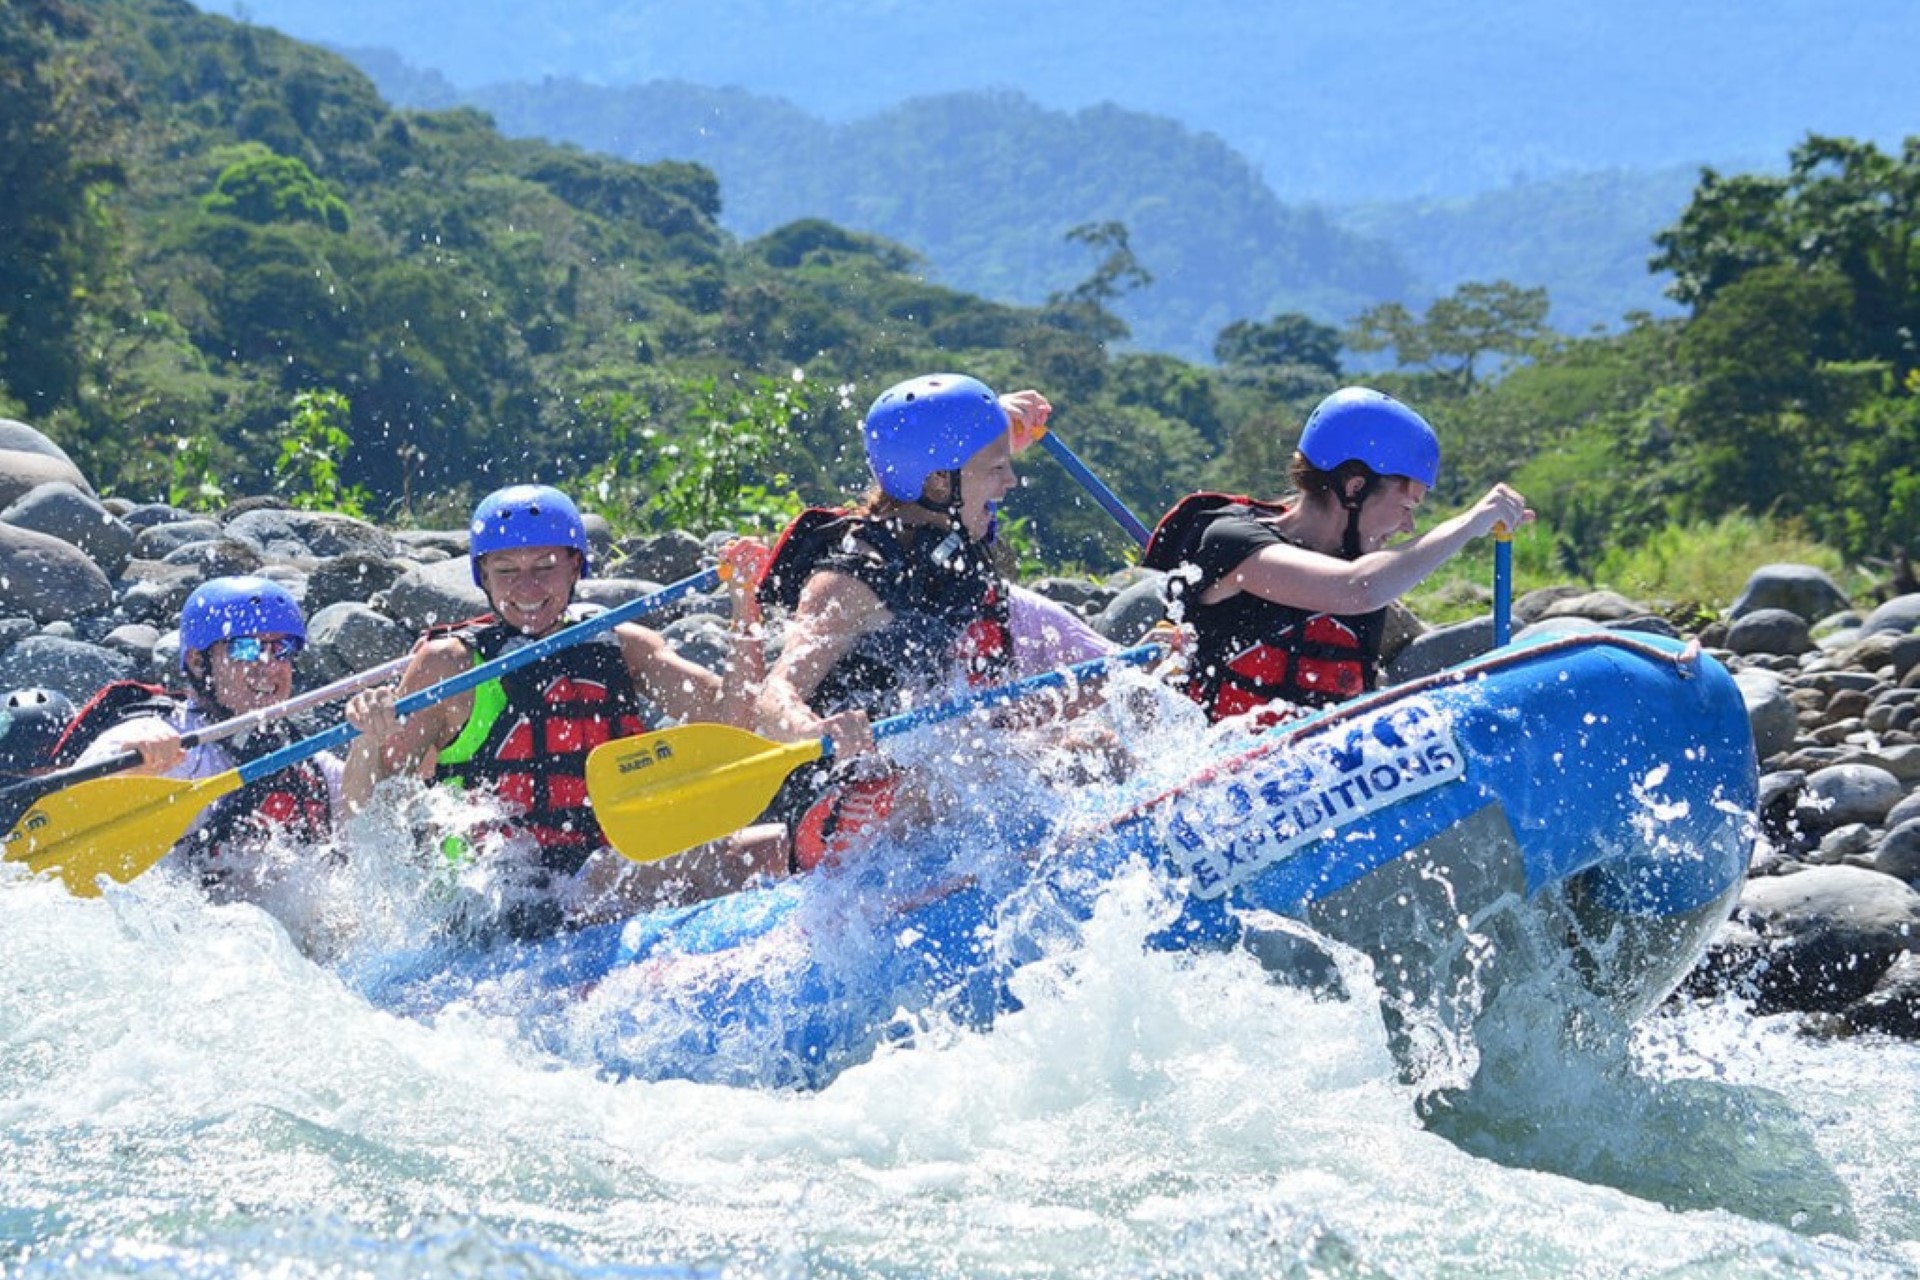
(1436, 93)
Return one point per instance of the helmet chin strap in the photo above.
(1350, 542)
(958, 539)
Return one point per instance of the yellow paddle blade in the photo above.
(116, 827)
(662, 793)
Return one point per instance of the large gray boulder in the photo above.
(1844, 793)
(348, 637)
(1900, 614)
(1770, 631)
(1132, 613)
(432, 595)
(74, 667)
(74, 515)
(282, 534)
(1800, 589)
(29, 459)
(21, 438)
(1440, 648)
(22, 471)
(48, 578)
(1828, 934)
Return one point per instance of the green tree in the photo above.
(313, 441)
(712, 473)
(59, 109)
(1844, 207)
(1287, 339)
(1458, 332)
(1761, 357)
(265, 188)
(1088, 305)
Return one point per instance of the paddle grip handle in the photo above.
(474, 677)
(1095, 486)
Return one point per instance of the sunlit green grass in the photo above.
(1685, 573)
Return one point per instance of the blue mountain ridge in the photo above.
(1417, 147)
(1365, 100)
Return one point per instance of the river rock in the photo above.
(1905, 811)
(1892, 1007)
(1775, 723)
(157, 541)
(74, 515)
(1829, 935)
(48, 578)
(1132, 612)
(1845, 793)
(29, 459)
(1776, 631)
(348, 636)
(1898, 852)
(135, 639)
(432, 595)
(1800, 589)
(284, 534)
(1441, 647)
(350, 578)
(74, 667)
(665, 557)
(1900, 614)
(220, 557)
(22, 438)
(1601, 606)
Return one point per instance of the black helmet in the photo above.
(31, 722)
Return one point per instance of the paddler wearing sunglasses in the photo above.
(238, 639)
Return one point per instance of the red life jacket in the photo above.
(949, 609)
(530, 731)
(1250, 653)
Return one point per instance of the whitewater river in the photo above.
(186, 1095)
(184, 1092)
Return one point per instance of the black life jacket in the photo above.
(294, 802)
(948, 606)
(530, 731)
(1251, 652)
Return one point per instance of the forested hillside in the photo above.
(1217, 241)
(987, 186)
(228, 267)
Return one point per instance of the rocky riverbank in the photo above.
(1829, 924)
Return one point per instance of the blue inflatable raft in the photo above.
(1576, 809)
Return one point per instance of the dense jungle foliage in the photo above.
(226, 266)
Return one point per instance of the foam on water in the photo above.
(183, 1092)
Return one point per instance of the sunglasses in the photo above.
(263, 648)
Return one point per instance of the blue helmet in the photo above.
(526, 515)
(1356, 424)
(222, 608)
(927, 425)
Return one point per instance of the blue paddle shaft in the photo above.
(474, 677)
(1004, 693)
(1502, 590)
(1095, 486)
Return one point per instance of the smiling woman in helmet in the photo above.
(525, 736)
(238, 639)
(896, 602)
(1286, 600)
